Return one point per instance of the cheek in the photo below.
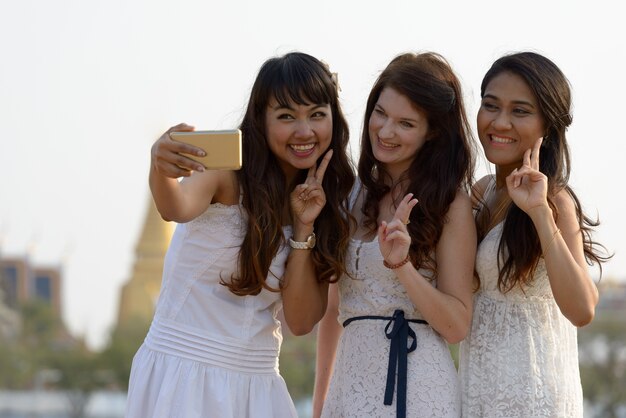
(482, 123)
(374, 124)
(481, 120)
(532, 130)
(326, 131)
(275, 132)
(415, 141)
(375, 120)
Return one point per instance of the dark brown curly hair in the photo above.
(442, 166)
(519, 246)
(302, 79)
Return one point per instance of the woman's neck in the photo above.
(502, 172)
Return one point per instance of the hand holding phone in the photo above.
(223, 148)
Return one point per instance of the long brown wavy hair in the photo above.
(302, 79)
(519, 248)
(442, 166)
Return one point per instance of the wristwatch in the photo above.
(303, 245)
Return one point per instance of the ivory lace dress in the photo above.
(358, 383)
(210, 353)
(520, 358)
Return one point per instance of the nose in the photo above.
(303, 129)
(502, 121)
(386, 131)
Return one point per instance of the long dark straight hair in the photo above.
(302, 79)
(442, 166)
(519, 248)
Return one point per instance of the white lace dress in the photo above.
(358, 383)
(210, 353)
(520, 358)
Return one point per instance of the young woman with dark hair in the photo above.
(409, 265)
(520, 357)
(212, 348)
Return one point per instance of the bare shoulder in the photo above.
(565, 206)
(460, 216)
(462, 203)
(563, 200)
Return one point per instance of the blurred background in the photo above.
(87, 86)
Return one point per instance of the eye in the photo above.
(406, 124)
(489, 106)
(520, 111)
(318, 115)
(285, 116)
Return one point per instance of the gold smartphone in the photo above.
(223, 148)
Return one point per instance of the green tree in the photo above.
(602, 353)
(297, 364)
(117, 357)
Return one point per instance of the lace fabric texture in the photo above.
(520, 358)
(358, 384)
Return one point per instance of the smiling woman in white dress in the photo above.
(410, 265)
(520, 358)
(212, 349)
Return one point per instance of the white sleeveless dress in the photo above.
(210, 353)
(358, 383)
(520, 358)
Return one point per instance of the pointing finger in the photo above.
(403, 212)
(319, 175)
(535, 154)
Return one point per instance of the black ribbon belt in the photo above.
(399, 336)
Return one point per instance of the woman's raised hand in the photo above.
(308, 199)
(527, 186)
(167, 154)
(393, 238)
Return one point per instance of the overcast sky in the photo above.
(87, 86)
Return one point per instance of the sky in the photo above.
(87, 86)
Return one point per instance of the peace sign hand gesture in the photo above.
(527, 186)
(308, 199)
(393, 238)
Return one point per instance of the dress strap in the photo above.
(354, 193)
(398, 354)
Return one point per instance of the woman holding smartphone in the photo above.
(272, 233)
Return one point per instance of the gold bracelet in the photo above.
(558, 231)
(395, 266)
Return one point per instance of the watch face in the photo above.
(310, 241)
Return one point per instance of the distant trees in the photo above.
(117, 357)
(43, 356)
(602, 357)
(297, 364)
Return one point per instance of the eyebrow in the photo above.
(518, 102)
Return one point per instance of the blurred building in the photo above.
(21, 281)
(141, 291)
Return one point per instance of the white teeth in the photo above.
(387, 144)
(501, 140)
(302, 147)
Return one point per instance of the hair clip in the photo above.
(333, 76)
